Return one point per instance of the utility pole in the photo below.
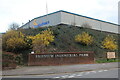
(46, 7)
(46, 14)
(46, 10)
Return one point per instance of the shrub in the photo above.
(13, 34)
(14, 41)
(19, 59)
(11, 60)
(41, 40)
(15, 44)
(84, 38)
(109, 43)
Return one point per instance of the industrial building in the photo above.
(64, 17)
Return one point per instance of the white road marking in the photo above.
(71, 76)
(56, 77)
(79, 74)
(105, 70)
(100, 71)
(65, 76)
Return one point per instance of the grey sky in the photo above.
(21, 11)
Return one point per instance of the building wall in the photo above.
(63, 17)
(76, 20)
(47, 20)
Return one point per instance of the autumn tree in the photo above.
(41, 40)
(84, 38)
(109, 43)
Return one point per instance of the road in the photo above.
(101, 73)
(79, 71)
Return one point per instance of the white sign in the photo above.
(32, 52)
(110, 55)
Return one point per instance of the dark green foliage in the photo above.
(32, 31)
(10, 58)
(19, 59)
(64, 39)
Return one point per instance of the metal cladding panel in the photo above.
(72, 19)
(47, 20)
(64, 17)
(67, 18)
(109, 28)
(25, 26)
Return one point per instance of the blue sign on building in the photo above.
(41, 24)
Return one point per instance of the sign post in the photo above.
(111, 55)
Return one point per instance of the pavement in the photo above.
(43, 70)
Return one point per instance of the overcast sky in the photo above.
(21, 11)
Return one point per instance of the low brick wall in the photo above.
(61, 58)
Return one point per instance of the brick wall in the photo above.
(61, 58)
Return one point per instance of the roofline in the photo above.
(88, 17)
(42, 16)
(73, 14)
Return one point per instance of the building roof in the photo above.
(72, 14)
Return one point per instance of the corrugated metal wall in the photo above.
(63, 17)
(67, 18)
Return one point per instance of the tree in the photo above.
(13, 26)
(109, 43)
(41, 40)
(84, 38)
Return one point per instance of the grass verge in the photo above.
(107, 60)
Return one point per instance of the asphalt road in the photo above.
(38, 70)
(66, 72)
(102, 73)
